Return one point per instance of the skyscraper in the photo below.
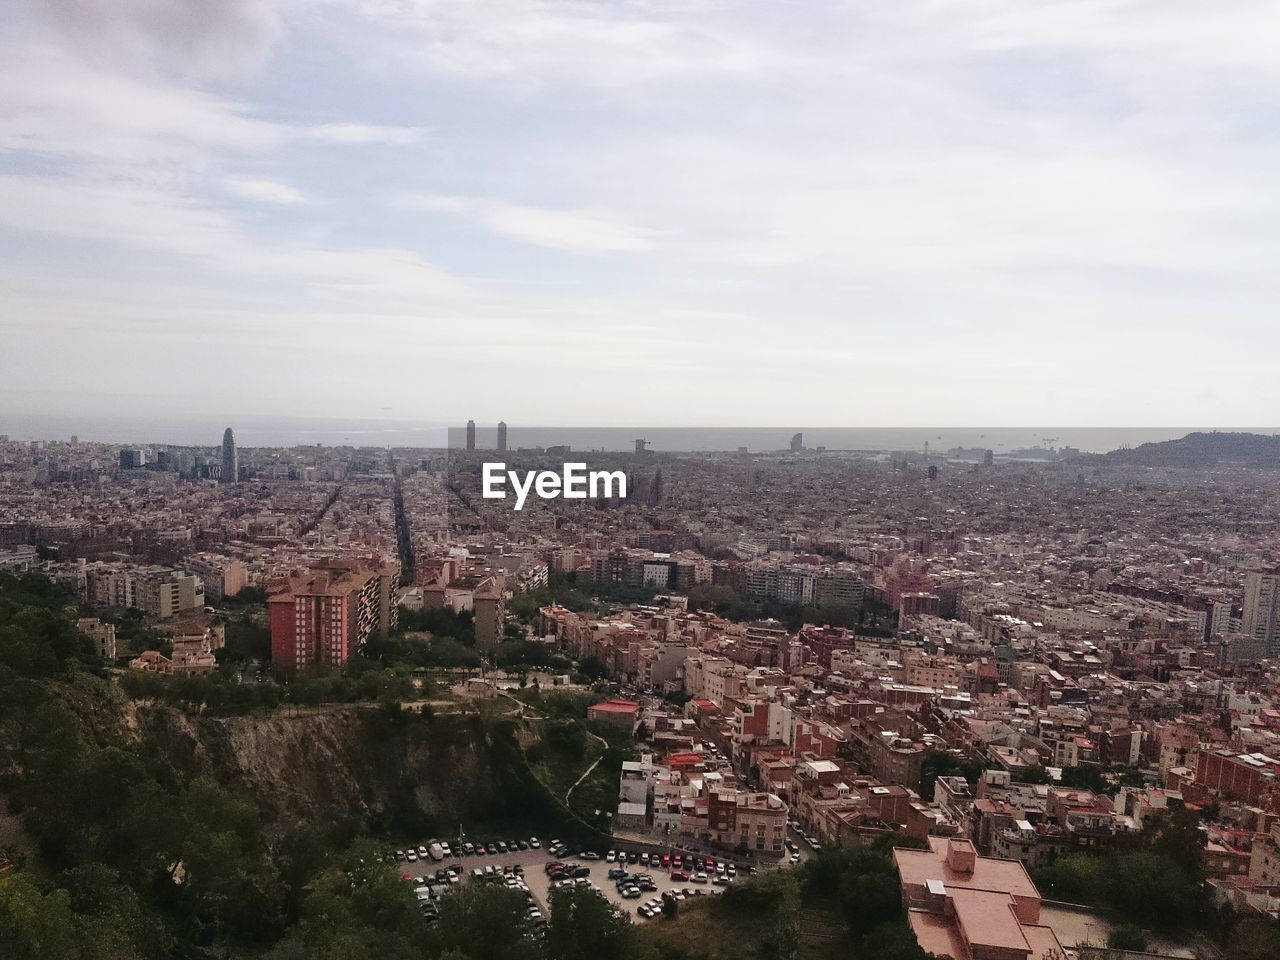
(471, 434)
(230, 462)
(1261, 606)
(502, 436)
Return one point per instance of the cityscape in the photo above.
(639, 480)
(1038, 693)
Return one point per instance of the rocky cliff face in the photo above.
(346, 764)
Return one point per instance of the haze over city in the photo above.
(639, 480)
(905, 215)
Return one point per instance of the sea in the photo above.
(268, 431)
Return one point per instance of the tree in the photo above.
(1254, 938)
(1035, 774)
(482, 921)
(892, 941)
(584, 927)
(1127, 938)
(945, 763)
(35, 926)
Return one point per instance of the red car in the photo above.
(679, 876)
(666, 859)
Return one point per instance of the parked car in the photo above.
(611, 856)
(630, 892)
(590, 855)
(699, 877)
(534, 843)
(679, 876)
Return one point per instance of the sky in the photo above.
(684, 212)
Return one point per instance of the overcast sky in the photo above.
(909, 212)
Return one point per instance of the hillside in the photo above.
(1200, 450)
(344, 764)
(137, 829)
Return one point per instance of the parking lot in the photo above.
(535, 861)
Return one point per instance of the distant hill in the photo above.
(1201, 450)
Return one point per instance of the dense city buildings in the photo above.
(812, 644)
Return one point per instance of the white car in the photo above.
(611, 856)
(534, 844)
(699, 877)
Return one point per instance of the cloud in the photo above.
(267, 191)
(175, 36)
(576, 231)
(363, 133)
(1054, 198)
(611, 45)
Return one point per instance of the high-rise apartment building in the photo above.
(1261, 606)
(502, 436)
(324, 614)
(230, 460)
(489, 603)
(471, 434)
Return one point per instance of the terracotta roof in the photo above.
(998, 876)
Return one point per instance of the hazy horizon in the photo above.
(272, 431)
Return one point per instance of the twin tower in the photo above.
(502, 435)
